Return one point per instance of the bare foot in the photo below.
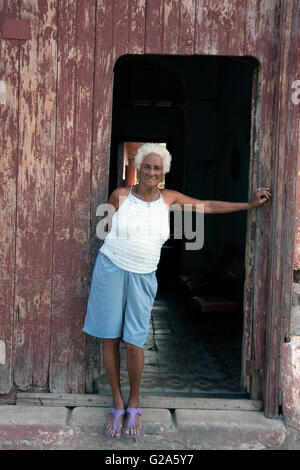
(110, 424)
(133, 421)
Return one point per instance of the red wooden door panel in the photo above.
(220, 27)
(9, 54)
(35, 188)
(72, 193)
(284, 167)
(170, 27)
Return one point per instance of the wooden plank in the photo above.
(104, 63)
(266, 51)
(154, 37)
(52, 399)
(26, 241)
(128, 27)
(170, 27)
(35, 195)
(137, 27)
(254, 317)
(274, 314)
(72, 193)
(274, 234)
(283, 208)
(171, 20)
(186, 43)
(26, 200)
(261, 40)
(45, 150)
(219, 27)
(102, 104)
(236, 36)
(252, 23)
(9, 53)
(250, 241)
(115, 37)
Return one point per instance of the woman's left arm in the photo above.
(261, 196)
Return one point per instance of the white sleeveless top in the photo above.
(139, 229)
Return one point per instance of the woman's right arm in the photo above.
(116, 199)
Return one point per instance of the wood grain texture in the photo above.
(73, 399)
(9, 64)
(72, 185)
(35, 195)
(285, 177)
(187, 27)
(247, 377)
(219, 27)
(55, 143)
(265, 51)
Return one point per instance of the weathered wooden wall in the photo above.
(55, 143)
(284, 168)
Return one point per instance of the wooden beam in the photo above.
(77, 399)
(286, 144)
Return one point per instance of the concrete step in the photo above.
(46, 427)
(217, 429)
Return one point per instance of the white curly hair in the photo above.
(158, 149)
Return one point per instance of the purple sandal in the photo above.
(116, 424)
(131, 421)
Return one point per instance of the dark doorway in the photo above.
(200, 107)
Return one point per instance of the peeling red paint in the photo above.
(55, 145)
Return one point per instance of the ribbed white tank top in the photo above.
(138, 231)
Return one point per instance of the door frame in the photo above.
(269, 258)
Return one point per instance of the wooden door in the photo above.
(46, 145)
(55, 147)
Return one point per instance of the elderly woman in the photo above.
(124, 282)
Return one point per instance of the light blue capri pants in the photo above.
(120, 303)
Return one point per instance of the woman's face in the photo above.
(151, 170)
